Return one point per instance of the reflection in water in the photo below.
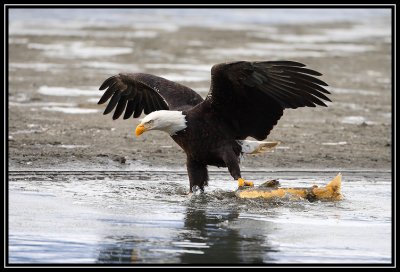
(121, 251)
(227, 242)
(212, 232)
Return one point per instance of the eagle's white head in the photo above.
(165, 120)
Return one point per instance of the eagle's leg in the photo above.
(198, 174)
(232, 162)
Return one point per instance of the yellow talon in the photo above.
(248, 183)
(242, 182)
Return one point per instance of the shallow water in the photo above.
(147, 217)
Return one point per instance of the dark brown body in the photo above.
(216, 144)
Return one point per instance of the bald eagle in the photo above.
(246, 99)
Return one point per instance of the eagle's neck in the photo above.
(170, 121)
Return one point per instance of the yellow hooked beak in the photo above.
(140, 129)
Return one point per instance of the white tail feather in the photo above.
(256, 147)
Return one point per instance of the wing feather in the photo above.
(303, 71)
(135, 93)
(302, 99)
(107, 94)
(306, 78)
(130, 109)
(113, 102)
(139, 107)
(120, 106)
(258, 93)
(147, 106)
(109, 81)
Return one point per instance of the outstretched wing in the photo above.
(251, 96)
(134, 93)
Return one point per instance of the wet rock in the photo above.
(55, 143)
(271, 183)
(119, 159)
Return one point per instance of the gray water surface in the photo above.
(125, 217)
